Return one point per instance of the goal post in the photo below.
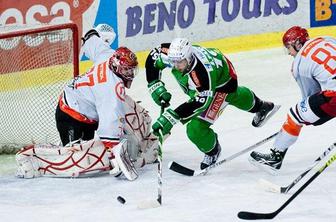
(35, 64)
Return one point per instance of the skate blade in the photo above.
(268, 169)
(270, 114)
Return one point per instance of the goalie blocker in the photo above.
(136, 148)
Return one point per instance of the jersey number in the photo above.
(324, 56)
(216, 62)
(101, 76)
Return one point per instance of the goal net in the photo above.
(35, 63)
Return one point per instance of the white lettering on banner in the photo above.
(59, 8)
(11, 13)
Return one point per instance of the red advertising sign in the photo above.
(41, 11)
(30, 13)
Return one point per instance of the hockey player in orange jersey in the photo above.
(314, 69)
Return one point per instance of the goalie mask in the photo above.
(295, 37)
(180, 54)
(124, 64)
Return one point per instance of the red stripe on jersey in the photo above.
(73, 113)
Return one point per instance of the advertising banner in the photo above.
(322, 13)
(85, 13)
(145, 24)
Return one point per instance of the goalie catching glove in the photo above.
(165, 122)
(159, 93)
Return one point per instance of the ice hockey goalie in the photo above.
(91, 158)
(96, 102)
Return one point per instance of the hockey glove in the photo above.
(106, 33)
(103, 31)
(165, 122)
(159, 93)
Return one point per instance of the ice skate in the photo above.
(266, 111)
(211, 157)
(270, 162)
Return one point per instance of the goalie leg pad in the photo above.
(88, 158)
(27, 167)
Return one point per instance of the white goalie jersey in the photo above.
(97, 50)
(99, 95)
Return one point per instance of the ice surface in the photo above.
(218, 196)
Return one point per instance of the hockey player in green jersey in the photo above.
(210, 81)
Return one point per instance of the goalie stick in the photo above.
(158, 202)
(190, 172)
(267, 185)
(259, 216)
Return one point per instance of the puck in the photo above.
(121, 199)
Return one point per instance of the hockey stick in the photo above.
(190, 172)
(257, 216)
(277, 189)
(159, 198)
(158, 201)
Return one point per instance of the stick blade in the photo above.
(268, 186)
(148, 204)
(180, 169)
(245, 215)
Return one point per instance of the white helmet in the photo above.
(106, 33)
(180, 48)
